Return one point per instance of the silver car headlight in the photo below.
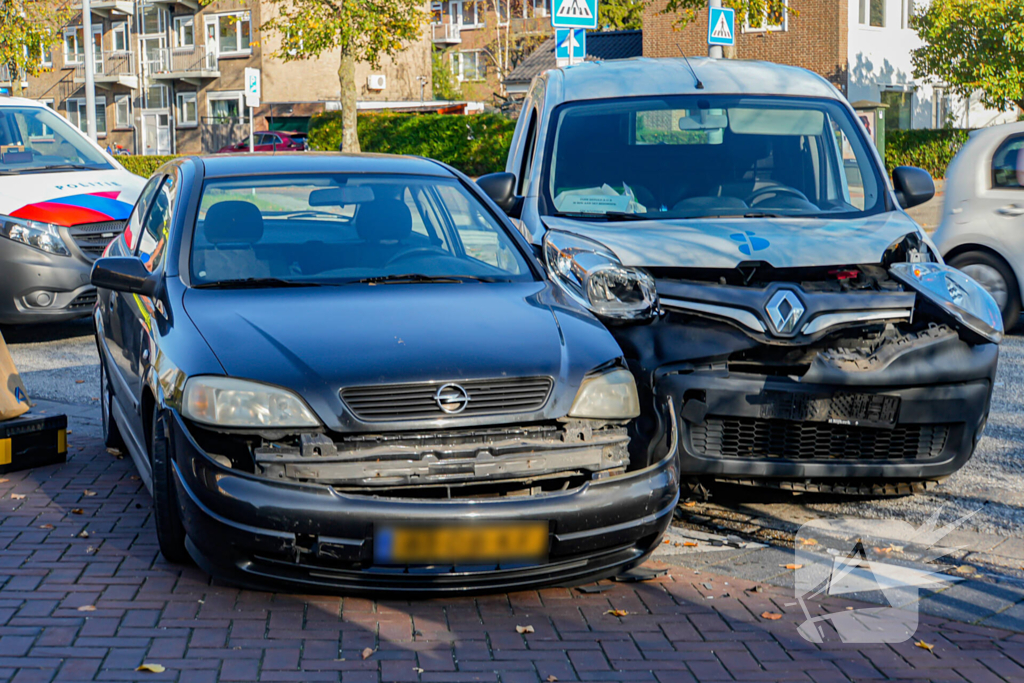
(609, 396)
(229, 402)
(591, 274)
(955, 293)
(42, 236)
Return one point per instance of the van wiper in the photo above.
(737, 214)
(607, 215)
(256, 283)
(61, 167)
(407, 278)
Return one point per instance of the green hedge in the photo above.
(930, 149)
(474, 144)
(143, 165)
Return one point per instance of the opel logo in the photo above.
(785, 311)
(452, 398)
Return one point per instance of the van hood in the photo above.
(70, 198)
(728, 242)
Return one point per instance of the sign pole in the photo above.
(250, 130)
(714, 51)
(90, 74)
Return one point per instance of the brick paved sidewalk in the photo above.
(140, 609)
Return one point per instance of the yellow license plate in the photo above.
(520, 542)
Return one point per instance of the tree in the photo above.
(753, 12)
(620, 15)
(973, 45)
(27, 28)
(444, 85)
(361, 30)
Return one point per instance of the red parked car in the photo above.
(269, 141)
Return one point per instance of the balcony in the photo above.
(446, 34)
(111, 68)
(105, 8)
(169, 4)
(189, 64)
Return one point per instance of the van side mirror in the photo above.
(501, 188)
(123, 274)
(913, 185)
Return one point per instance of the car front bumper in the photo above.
(38, 287)
(258, 532)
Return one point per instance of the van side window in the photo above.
(1008, 164)
(523, 186)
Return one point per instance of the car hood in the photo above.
(727, 242)
(70, 198)
(318, 341)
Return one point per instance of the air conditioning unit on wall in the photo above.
(376, 82)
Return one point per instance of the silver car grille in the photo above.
(393, 402)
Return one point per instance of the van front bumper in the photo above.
(38, 287)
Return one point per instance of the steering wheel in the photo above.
(401, 256)
(776, 190)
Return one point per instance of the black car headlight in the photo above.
(229, 402)
(956, 294)
(590, 273)
(42, 236)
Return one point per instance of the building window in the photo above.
(469, 65)
(225, 107)
(229, 32)
(38, 130)
(908, 12)
(45, 55)
(470, 15)
(184, 31)
(78, 117)
(872, 12)
(153, 20)
(541, 8)
(770, 19)
(122, 111)
(119, 37)
(156, 97)
(899, 107)
(940, 107)
(188, 109)
(74, 44)
(436, 12)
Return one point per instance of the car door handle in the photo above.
(1011, 210)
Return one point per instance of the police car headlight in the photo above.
(42, 236)
(956, 294)
(609, 396)
(229, 402)
(591, 274)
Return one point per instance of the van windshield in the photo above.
(710, 156)
(36, 140)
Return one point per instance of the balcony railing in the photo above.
(109, 66)
(448, 34)
(183, 62)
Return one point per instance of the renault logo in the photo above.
(785, 310)
(452, 399)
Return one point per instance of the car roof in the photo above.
(643, 76)
(319, 162)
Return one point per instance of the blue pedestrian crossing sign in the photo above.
(570, 46)
(722, 26)
(574, 14)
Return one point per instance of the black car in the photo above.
(349, 372)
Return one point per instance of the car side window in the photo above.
(133, 228)
(157, 229)
(1008, 164)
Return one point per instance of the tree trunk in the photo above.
(347, 81)
(15, 79)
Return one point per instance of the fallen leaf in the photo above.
(689, 503)
(90, 550)
(77, 511)
(924, 646)
(83, 534)
(367, 652)
(896, 548)
(152, 668)
(772, 616)
(418, 670)
(89, 493)
(79, 381)
(965, 569)
(134, 477)
(552, 678)
(4, 481)
(17, 496)
(808, 541)
(689, 544)
(524, 629)
(791, 566)
(87, 608)
(666, 541)
(113, 451)
(45, 526)
(617, 612)
(883, 550)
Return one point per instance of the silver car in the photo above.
(982, 229)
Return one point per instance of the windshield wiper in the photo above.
(420, 277)
(607, 215)
(61, 167)
(256, 283)
(737, 214)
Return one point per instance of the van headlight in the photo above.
(591, 274)
(42, 236)
(956, 294)
(608, 396)
(229, 402)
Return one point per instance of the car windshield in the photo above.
(36, 139)
(709, 156)
(281, 230)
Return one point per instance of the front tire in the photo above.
(994, 275)
(170, 532)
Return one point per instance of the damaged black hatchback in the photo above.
(349, 373)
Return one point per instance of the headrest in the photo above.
(384, 220)
(233, 222)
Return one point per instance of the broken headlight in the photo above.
(42, 236)
(956, 294)
(591, 274)
(609, 396)
(228, 402)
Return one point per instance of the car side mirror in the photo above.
(123, 274)
(501, 188)
(913, 185)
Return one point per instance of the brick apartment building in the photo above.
(169, 75)
(862, 46)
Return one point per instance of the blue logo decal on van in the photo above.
(749, 243)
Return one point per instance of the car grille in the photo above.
(84, 300)
(742, 437)
(93, 238)
(390, 402)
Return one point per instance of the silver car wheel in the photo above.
(992, 280)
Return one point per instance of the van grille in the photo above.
(93, 238)
(391, 402)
